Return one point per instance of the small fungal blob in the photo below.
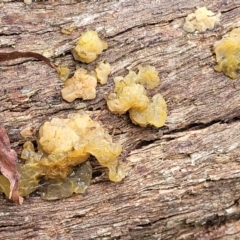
(81, 85)
(228, 54)
(28, 2)
(127, 95)
(28, 132)
(155, 114)
(102, 71)
(130, 95)
(148, 76)
(63, 72)
(89, 47)
(201, 20)
(68, 30)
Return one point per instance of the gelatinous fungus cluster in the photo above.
(62, 145)
(155, 114)
(227, 49)
(201, 20)
(83, 83)
(58, 167)
(130, 95)
(89, 47)
(228, 54)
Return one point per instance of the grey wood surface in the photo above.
(183, 179)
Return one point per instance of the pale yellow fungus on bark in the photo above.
(102, 71)
(148, 76)
(126, 96)
(130, 95)
(155, 114)
(28, 2)
(63, 144)
(89, 47)
(63, 72)
(201, 20)
(81, 85)
(68, 31)
(228, 54)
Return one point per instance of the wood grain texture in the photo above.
(183, 179)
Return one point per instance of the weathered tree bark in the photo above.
(183, 179)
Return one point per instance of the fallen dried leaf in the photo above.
(16, 54)
(8, 165)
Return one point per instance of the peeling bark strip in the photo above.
(8, 165)
(16, 54)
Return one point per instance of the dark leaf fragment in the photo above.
(16, 54)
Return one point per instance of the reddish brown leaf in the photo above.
(8, 165)
(16, 54)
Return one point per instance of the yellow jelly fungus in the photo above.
(127, 96)
(148, 76)
(228, 54)
(130, 95)
(68, 31)
(155, 114)
(4, 185)
(201, 20)
(63, 72)
(81, 85)
(77, 182)
(102, 71)
(63, 144)
(89, 47)
(28, 2)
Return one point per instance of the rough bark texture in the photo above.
(183, 179)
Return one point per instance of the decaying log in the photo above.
(183, 179)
